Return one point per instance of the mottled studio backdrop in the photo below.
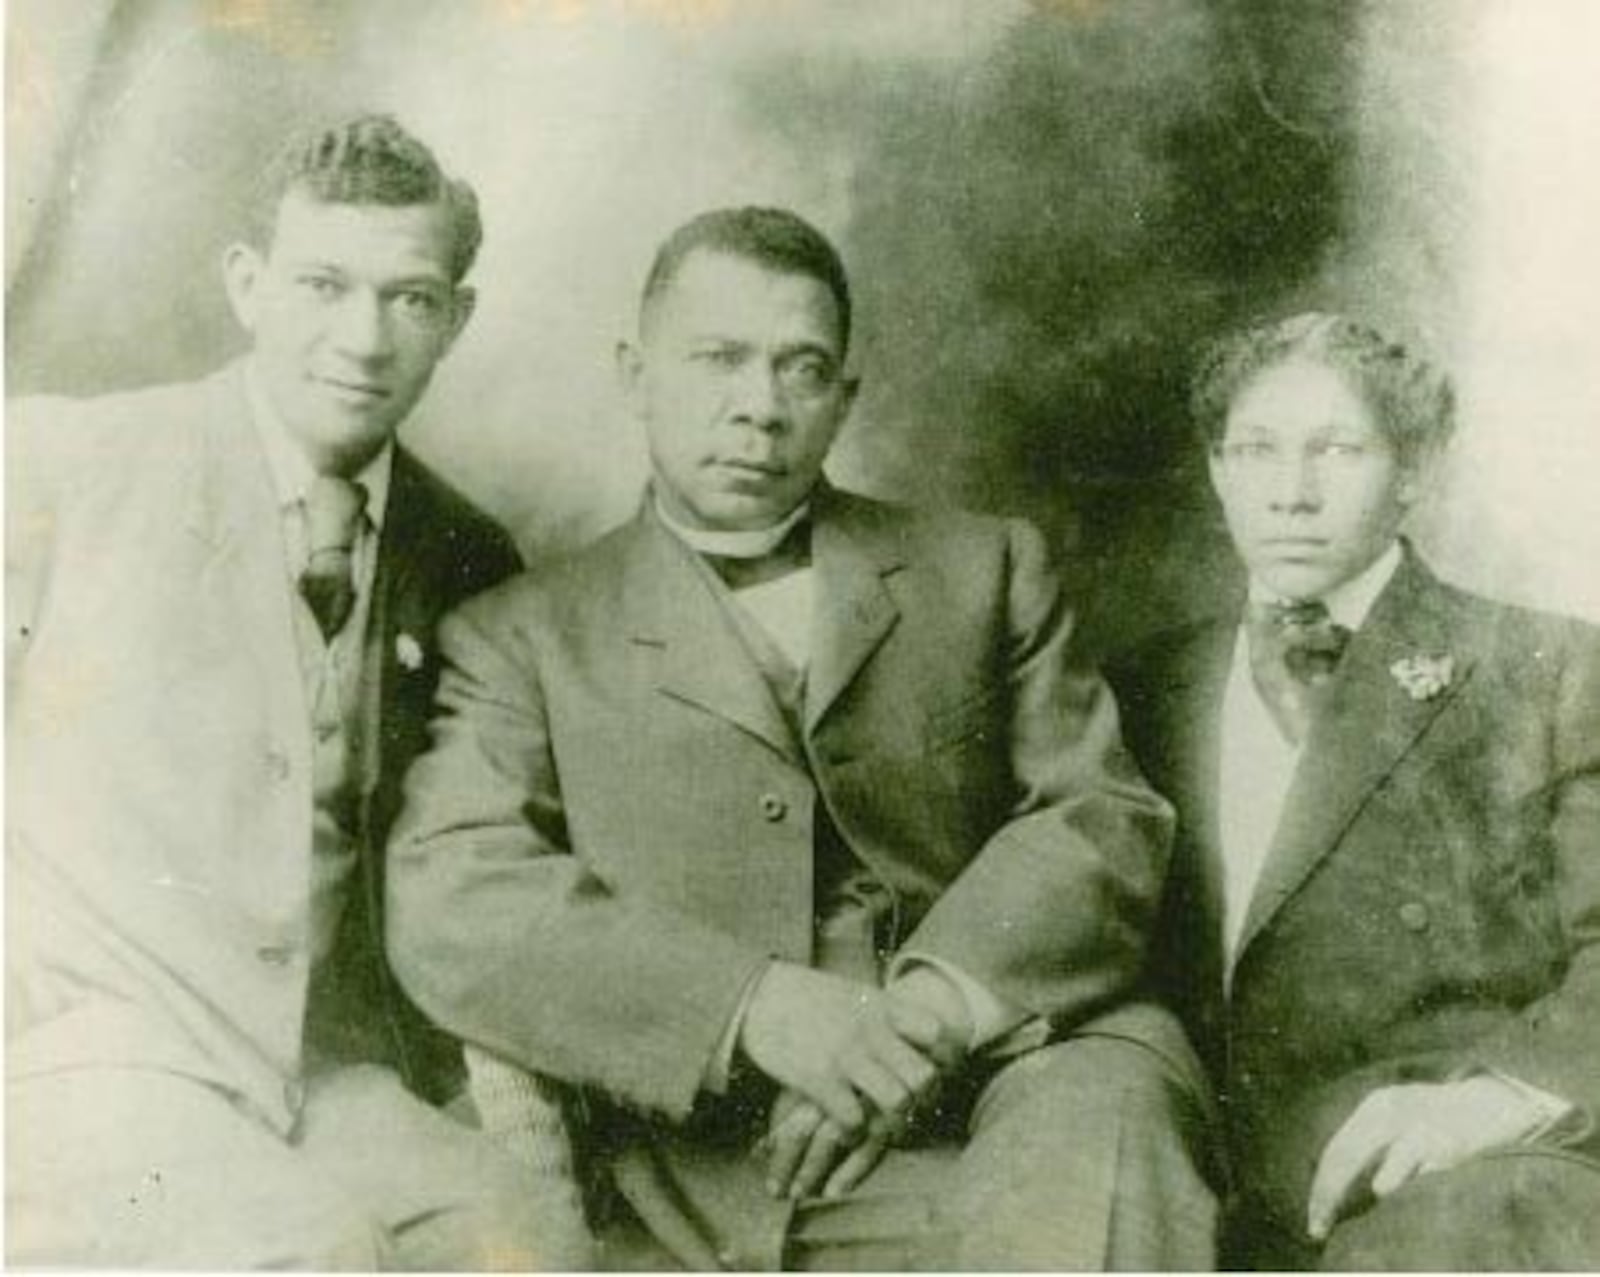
(1044, 206)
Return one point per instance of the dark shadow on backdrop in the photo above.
(1040, 238)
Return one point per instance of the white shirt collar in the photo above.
(745, 544)
(292, 472)
(1348, 603)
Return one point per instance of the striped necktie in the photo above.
(334, 509)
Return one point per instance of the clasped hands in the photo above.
(854, 1063)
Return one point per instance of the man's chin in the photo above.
(1299, 580)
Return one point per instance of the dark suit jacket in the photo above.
(1431, 902)
(614, 828)
(160, 832)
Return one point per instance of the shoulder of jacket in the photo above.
(107, 442)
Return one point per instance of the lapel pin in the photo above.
(1423, 677)
(408, 652)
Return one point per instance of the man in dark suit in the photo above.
(1383, 921)
(222, 598)
(787, 825)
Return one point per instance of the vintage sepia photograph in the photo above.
(833, 635)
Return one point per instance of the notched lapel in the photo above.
(1368, 725)
(701, 660)
(401, 604)
(233, 501)
(854, 609)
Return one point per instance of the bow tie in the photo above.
(1294, 652)
(789, 555)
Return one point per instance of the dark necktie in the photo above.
(334, 508)
(1294, 651)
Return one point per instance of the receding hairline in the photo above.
(654, 297)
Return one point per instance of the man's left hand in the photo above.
(808, 1152)
(1399, 1132)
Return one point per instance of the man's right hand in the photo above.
(838, 1043)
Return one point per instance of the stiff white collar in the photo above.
(751, 543)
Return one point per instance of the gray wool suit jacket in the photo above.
(614, 828)
(159, 828)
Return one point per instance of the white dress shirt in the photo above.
(1258, 762)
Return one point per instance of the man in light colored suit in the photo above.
(1383, 923)
(221, 603)
(787, 827)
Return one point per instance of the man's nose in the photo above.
(361, 326)
(758, 396)
(1296, 485)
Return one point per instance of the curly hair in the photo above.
(770, 237)
(368, 159)
(1412, 401)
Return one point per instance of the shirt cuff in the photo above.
(1551, 1114)
(719, 1069)
(992, 1017)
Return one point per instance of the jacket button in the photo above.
(275, 955)
(773, 807)
(277, 764)
(1414, 915)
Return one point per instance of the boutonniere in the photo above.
(409, 653)
(1423, 677)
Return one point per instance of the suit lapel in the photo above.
(235, 512)
(854, 610)
(403, 603)
(1368, 724)
(673, 609)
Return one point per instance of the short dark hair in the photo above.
(770, 237)
(368, 159)
(1412, 400)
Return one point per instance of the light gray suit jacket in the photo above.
(159, 770)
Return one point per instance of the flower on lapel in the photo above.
(408, 652)
(1423, 677)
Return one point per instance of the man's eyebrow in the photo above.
(808, 347)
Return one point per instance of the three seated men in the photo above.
(785, 828)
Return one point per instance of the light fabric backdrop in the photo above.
(1044, 206)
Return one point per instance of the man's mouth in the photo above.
(357, 391)
(755, 469)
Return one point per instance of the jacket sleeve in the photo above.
(511, 942)
(1053, 911)
(1554, 1042)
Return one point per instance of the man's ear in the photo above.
(850, 388)
(242, 266)
(1413, 482)
(1214, 468)
(463, 305)
(630, 373)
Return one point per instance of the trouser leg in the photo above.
(1532, 1209)
(446, 1196)
(125, 1168)
(1087, 1154)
